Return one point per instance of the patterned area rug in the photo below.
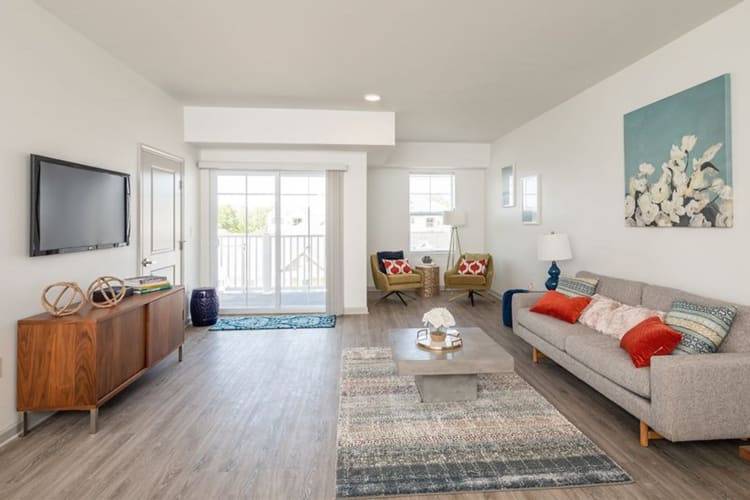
(274, 322)
(389, 443)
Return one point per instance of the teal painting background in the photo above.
(703, 110)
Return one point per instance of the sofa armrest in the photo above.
(522, 300)
(701, 396)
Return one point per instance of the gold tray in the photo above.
(452, 342)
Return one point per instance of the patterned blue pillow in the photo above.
(577, 287)
(703, 327)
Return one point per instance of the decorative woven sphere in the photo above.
(111, 289)
(68, 298)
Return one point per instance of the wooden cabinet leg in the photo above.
(24, 423)
(93, 416)
(179, 353)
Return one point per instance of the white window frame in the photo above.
(435, 213)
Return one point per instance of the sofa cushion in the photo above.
(401, 279)
(625, 291)
(551, 329)
(703, 327)
(466, 280)
(603, 355)
(738, 338)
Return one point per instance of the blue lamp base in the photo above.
(554, 276)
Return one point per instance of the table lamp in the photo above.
(553, 247)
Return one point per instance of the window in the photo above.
(429, 197)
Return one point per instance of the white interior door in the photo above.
(161, 214)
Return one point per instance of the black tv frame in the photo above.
(34, 233)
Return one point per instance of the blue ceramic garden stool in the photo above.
(204, 306)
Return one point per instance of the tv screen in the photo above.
(76, 207)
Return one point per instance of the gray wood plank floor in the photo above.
(253, 415)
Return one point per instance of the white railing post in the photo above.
(267, 259)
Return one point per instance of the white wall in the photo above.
(388, 195)
(62, 96)
(577, 148)
(355, 208)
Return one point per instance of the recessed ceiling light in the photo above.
(372, 97)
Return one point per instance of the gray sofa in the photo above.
(681, 397)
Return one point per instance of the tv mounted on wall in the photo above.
(76, 208)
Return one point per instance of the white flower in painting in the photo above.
(648, 210)
(688, 143)
(679, 181)
(708, 155)
(725, 217)
(720, 188)
(629, 206)
(701, 196)
(629, 222)
(701, 179)
(668, 209)
(678, 205)
(637, 185)
(639, 218)
(646, 169)
(676, 153)
(439, 317)
(699, 220)
(659, 192)
(694, 207)
(663, 220)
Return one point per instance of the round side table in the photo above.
(431, 284)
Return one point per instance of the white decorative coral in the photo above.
(439, 317)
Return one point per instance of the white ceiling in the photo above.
(453, 70)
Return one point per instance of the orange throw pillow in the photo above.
(561, 306)
(650, 337)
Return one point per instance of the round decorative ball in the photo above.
(68, 298)
(111, 290)
(204, 306)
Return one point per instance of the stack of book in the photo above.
(148, 284)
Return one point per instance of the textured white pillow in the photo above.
(610, 317)
(597, 313)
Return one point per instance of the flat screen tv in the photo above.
(76, 207)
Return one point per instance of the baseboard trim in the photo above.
(355, 310)
(13, 432)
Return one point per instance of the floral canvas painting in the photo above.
(678, 164)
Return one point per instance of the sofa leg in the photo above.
(536, 355)
(648, 435)
(745, 453)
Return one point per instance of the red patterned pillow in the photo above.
(397, 266)
(472, 267)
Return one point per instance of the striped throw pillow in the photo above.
(703, 327)
(577, 287)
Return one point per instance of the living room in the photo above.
(431, 128)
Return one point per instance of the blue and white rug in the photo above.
(289, 322)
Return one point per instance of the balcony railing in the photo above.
(246, 262)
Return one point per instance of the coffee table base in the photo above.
(434, 388)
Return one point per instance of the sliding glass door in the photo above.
(269, 252)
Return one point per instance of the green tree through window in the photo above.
(231, 220)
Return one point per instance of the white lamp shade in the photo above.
(554, 246)
(454, 218)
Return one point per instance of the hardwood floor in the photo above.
(253, 415)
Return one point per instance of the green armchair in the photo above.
(472, 285)
(394, 284)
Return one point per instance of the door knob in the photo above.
(147, 262)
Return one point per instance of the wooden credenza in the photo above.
(80, 362)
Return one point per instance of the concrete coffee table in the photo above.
(449, 376)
